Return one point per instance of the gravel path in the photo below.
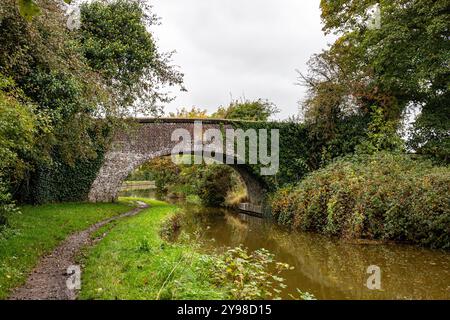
(48, 280)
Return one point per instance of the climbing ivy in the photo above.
(293, 151)
(61, 182)
(302, 150)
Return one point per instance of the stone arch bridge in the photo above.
(149, 139)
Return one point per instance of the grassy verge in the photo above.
(137, 260)
(38, 230)
(138, 182)
(133, 262)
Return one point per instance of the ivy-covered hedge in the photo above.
(60, 182)
(303, 151)
(294, 145)
(385, 196)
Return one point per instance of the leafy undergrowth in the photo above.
(248, 275)
(385, 196)
(138, 259)
(37, 230)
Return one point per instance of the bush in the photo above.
(17, 136)
(384, 196)
(7, 206)
(214, 184)
(241, 274)
(170, 227)
(249, 275)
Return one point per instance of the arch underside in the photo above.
(119, 164)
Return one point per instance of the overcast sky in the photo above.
(242, 48)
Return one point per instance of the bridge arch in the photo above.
(150, 139)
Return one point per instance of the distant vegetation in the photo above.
(211, 185)
(256, 110)
(251, 110)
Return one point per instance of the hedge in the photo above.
(385, 196)
(303, 151)
(62, 182)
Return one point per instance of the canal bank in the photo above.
(329, 268)
(136, 260)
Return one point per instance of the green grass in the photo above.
(38, 230)
(139, 182)
(133, 262)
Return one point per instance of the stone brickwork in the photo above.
(149, 139)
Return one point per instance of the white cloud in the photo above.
(240, 47)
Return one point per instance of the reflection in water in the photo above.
(138, 193)
(329, 268)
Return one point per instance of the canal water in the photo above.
(328, 268)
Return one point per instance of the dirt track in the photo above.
(48, 279)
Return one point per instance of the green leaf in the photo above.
(28, 9)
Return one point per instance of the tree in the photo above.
(73, 85)
(116, 43)
(46, 63)
(163, 171)
(193, 113)
(74, 77)
(257, 110)
(329, 97)
(408, 53)
(401, 63)
(18, 126)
